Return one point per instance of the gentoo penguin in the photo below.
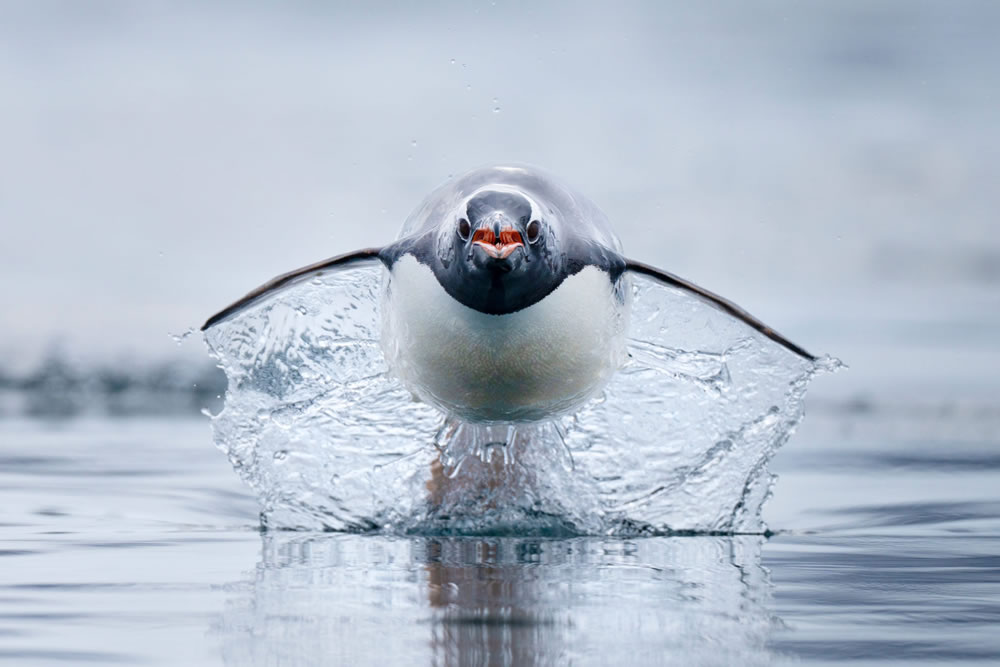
(506, 297)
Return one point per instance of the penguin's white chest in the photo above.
(528, 365)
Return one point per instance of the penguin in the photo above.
(506, 297)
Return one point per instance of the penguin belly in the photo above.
(528, 365)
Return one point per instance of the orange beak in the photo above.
(500, 247)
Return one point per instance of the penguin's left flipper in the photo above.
(716, 301)
(286, 280)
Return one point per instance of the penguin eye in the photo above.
(533, 230)
(464, 229)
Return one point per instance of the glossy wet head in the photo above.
(503, 257)
(501, 238)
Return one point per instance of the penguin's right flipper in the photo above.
(721, 303)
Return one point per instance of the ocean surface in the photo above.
(131, 541)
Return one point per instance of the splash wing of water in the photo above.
(312, 419)
(678, 441)
(681, 437)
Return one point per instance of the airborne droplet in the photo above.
(180, 338)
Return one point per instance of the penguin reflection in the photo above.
(487, 606)
(366, 599)
(507, 601)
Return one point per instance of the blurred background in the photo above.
(832, 167)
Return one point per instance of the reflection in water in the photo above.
(347, 599)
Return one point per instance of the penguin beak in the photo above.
(498, 246)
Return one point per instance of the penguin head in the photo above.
(504, 252)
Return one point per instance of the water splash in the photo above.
(678, 441)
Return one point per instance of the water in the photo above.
(131, 541)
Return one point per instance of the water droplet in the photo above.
(180, 338)
(468, 87)
(452, 61)
(414, 143)
(496, 105)
(280, 455)
(496, 109)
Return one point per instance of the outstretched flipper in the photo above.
(291, 278)
(725, 305)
